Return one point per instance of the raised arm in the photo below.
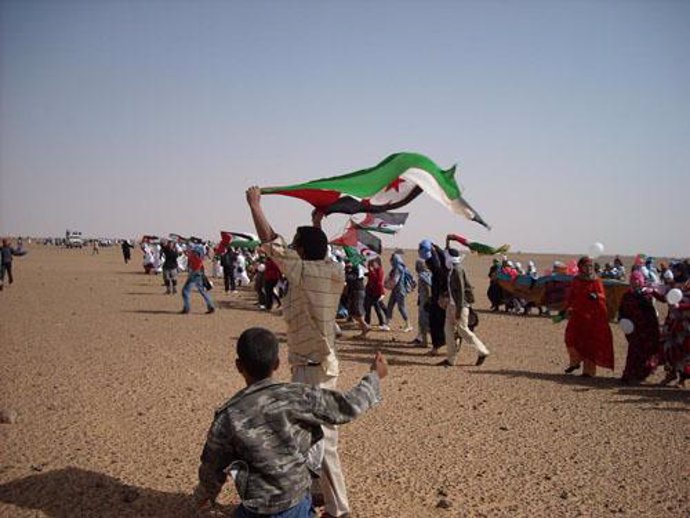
(455, 237)
(263, 227)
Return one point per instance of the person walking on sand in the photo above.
(263, 435)
(373, 294)
(170, 255)
(195, 279)
(423, 298)
(7, 252)
(241, 276)
(126, 250)
(400, 282)
(354, 278)
(272, 275)
(229, 262)
(588, 336)
(434, 258)
(311, 303)
(461, 297)
(643, 339)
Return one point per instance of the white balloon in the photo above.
(674, 296)
(626, 326)
(596, 250)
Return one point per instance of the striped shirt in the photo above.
(310, 306)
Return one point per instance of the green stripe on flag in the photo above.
(367, 182)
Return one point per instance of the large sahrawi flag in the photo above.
(361, 240)
(384, 222)
(393, 183)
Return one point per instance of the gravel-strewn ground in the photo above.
(114, 392)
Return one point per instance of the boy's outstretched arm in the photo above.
(333, 407)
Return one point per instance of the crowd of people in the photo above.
(650, 343)
(445, 297)
(236, 266)
(588, 337)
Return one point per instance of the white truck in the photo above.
(73, 239)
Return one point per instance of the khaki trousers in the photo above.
(332, 480)
(457, 331)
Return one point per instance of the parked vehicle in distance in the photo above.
(73, 239)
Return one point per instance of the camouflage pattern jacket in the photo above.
(262, 436)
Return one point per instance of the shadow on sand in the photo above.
(654, 394)
(155, 311)
(71, 492)
(239, 305)
(532, 314)
(397, 353)
(557, 377)
(642, 393)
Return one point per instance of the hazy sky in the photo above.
(569, 120)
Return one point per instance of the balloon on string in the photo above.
(596, 250)
(626, 326)
(674, 296)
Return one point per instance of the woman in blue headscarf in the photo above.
(433, 256)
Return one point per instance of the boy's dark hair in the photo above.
(313, 241)
(257, 350)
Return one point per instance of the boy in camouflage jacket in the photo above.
(262, 435)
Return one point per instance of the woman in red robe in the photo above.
(588, 335)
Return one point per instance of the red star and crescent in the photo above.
(395, 184)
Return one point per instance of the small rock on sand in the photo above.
(444, 503)
(8, 416)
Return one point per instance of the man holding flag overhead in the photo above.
(316, 284)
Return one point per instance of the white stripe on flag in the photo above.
(430, 186)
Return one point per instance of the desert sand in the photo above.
(114, 392)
